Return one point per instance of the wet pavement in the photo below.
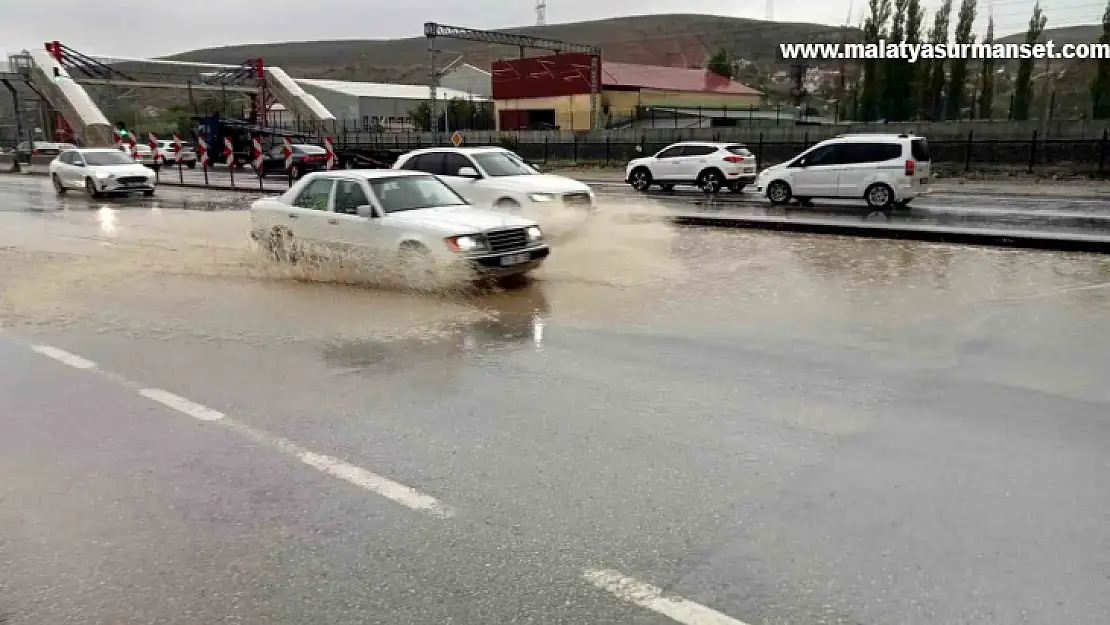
(781, 428)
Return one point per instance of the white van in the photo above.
(884, 170)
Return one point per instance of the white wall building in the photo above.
(474, 81)
(368, 105)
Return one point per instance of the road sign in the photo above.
(457, 138)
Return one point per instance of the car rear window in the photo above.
(739, 150)
(308, 149)
(920, 149)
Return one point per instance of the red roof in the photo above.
(669, 79)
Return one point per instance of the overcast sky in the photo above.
(144, 28)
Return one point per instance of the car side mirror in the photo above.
(365, 210)
(468, 172)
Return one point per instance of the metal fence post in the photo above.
(1033, 152)
(607, 150)
(574, 137)
(759, 152)
(1102, 151)
(545, 149)
(967, 154)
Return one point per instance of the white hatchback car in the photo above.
(709, 166)
(187, 156)
(100, 172)
(402, 216)
(498, 178)
(884, 170)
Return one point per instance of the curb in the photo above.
(180, 185)
(931, 234)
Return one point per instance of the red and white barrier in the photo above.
(256, 154)
(134, 146)
(202, 151)
(330, 149)
(155, 153)
(177, 148)
(287, 151)
(229, 151)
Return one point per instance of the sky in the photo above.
(146, 28)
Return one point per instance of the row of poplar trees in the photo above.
(897, 90)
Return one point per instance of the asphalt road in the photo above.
(764, 428)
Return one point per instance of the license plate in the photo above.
(515, 259)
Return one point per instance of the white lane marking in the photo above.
(652, 598)
(181, 404)
(64, 357)
(358, 476)
(364, 479)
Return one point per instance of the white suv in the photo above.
(709, 166)
(884, 170)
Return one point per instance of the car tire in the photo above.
(778, 192)
(416, 264)
(711, 181)
(90, 189)
(640, 179)
(879, 196)
(59, 188)
(281, 246)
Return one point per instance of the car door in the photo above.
(356, 228)
(309, 215)
(817, 173)
(72, 169)
(480, 191)
(694, 159)
(61, 168)
(665, 166)
(859, 163)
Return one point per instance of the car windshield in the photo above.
(405, 193)
(108, 157)
(499, 164)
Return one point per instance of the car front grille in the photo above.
(507, 240)
(577, 199)
(132, 180)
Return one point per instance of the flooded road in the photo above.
(782, 429)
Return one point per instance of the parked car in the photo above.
(884, 170)
(100, 171)
(307, 158)
(497, 178)
(709, 166)
(42, 148)
(187, 156)
(145, 155)
(407, 217)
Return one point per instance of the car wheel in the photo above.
(281, 246)
(778, 192)
(710, 181)
(879, 196)
(59, 188)
(640, 179)
(417, 264)
(667, 187)
(506, 203)
(90, 189)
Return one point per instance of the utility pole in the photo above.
(1046, 108)
(541, 12)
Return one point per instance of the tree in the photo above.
(986, 77)
(874, 29)
(1023, 85)
(915, 17)
(935, 77)
(721, 64)
(1100, 86)
(458, 114)
(958, 75)
(897, 70)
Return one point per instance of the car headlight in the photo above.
(466, 243)
(534, 234)
(542, 197)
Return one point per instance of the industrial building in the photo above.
(474, 81)
(554, 91)
(377, 105)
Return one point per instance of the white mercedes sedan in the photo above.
(407, 218)
(100, 172)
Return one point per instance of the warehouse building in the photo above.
(554, 91)
(376, 105)
(474, 81)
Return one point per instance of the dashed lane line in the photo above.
(647, 596)
(352, 474)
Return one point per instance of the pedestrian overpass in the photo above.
(58, 75)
